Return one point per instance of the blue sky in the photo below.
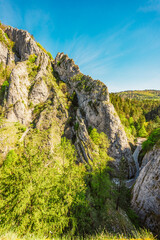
(116, 41)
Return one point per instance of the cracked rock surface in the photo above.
(146, 191)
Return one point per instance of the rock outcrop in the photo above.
(17, 99)
(4, 56)
(34, 96)
(96, 109)
(146, 191)
(7, 56)
(24, 44)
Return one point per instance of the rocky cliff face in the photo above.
(146, 198)
(5, 56)
(54, 95)
(96, 109)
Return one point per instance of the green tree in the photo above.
(38, 191)
(142, 131)
(98, 179)
(152, 140)
(68, 192)
(121, 188)
(23, 190)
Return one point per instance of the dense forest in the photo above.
(141, 94)
(139, 117)
(52, 194)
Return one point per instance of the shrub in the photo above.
(4, 85)
(32, 58)
(4, 38)
(152, 140)
(42, 48)
(76, 126)
(32, 67)
(58, 63)
(50, 55)
(3, 88)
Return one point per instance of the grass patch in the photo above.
(10, 134)
(32, 68)
(4, 80)
(137, 235)
(83, 82)
(5, 39)
(32, 58)
(50, 55)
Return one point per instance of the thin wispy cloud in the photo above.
(91, 55)
(97, 56)
(120, 51)
(102, 56)
(151, 6)
(37, 21)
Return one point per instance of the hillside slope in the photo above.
(140, 94)
(54, 95)
(138, 116)
(60, 135)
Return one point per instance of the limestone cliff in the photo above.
(146, 198)
(55, 95)
(96, 109)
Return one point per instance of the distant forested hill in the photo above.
(139, 116)
(141, 95)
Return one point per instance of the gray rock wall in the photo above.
(146, 192)
(98, 112)
(24, 44)
(93, 97)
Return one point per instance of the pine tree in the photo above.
(121, 190)
(98, 179)
(24, 183)
(38, 191)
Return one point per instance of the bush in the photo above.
(4, 38)
(32, 58)
(50, 55)
(152, 140)
(3, 88)
(58, 63)
(76, 126)
(42, 48)
(32, 67)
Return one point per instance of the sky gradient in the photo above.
(117, 42)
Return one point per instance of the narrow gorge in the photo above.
(62, 144)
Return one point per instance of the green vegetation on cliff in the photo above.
(45, 188)
(5, 39)
(152, 140)
(136, 235)
(50, 194)
(38, 190)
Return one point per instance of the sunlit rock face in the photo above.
(37, 98)
(96, 109)
(146, 191)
